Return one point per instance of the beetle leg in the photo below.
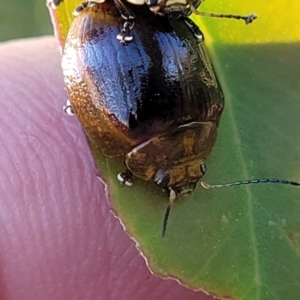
(125, 34)
(125, 178)
(126, 13)
(68, 108)
(172, 197)
(194, 28)
(129, 16)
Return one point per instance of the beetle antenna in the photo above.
(249, 181)
(248, 19)
(172, 197)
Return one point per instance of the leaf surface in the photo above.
(241, 242)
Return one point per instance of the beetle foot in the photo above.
(125, 178)
(68, 108)
(195, 29)
(125, 34)
(249, 19)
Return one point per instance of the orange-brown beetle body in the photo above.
(156, 100)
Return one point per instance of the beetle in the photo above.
(177, 9)
(155, 101)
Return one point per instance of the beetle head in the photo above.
(182, 180)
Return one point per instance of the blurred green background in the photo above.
(24, 18)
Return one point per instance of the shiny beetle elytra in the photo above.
(178, 9)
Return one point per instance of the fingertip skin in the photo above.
(58, 237)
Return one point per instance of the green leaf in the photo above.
(240, 242)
